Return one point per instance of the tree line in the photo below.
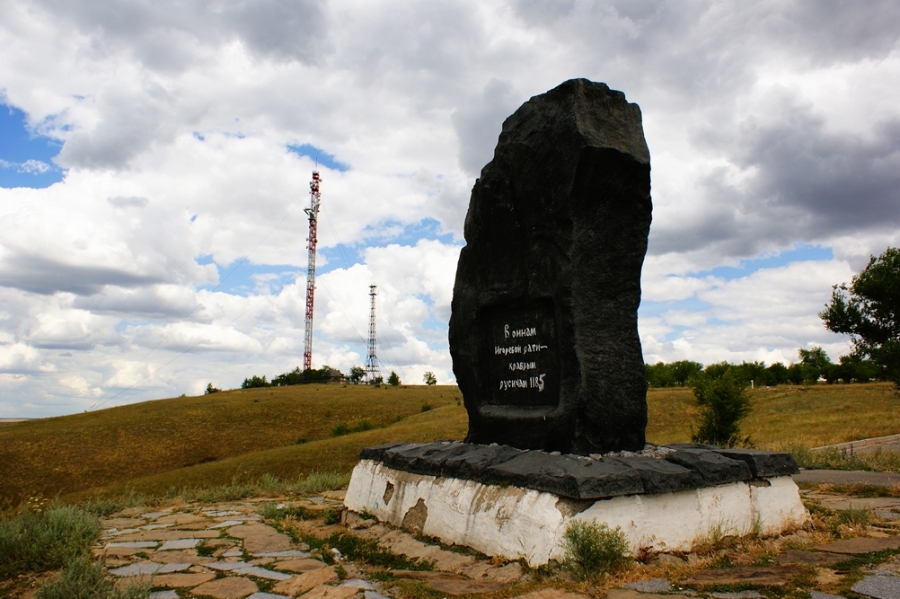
(813, 365)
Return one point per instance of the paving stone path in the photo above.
(227, 550)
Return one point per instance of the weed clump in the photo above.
(592, 548)
(46, 540)
(345, 429)
(83, 579)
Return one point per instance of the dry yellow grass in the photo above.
(240, 435)
(82, 451)
(809, 416)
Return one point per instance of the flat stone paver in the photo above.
(557, 594)
(810, 558)
(655, 585)
(359, 583)
(267, 596)
(821, 595)
(177, 581)
(180, 544)
(374, 595)
(737, 595)
(880, 587)
(260, 538)
(327, 592)
(148, 568)
(295, 585)
(135, 544)
(300, 565)
(288, 553)
(616, 594)
(164, 595)
(757, 575)
(466, 587)
(246, 569)
(861, 545)
(232, 587)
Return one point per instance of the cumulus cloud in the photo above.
(172, 252)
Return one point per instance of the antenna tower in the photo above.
(312, 212)
(372, 370)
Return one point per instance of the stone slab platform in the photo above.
(677, 467)
(517, 504)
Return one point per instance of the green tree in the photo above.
(429, 378)
(393, 380)
(357, 374)
(723, 403)
(254, 382)
(210, 390)
(817, 362)
(869, 311)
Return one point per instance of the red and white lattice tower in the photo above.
(312, 212)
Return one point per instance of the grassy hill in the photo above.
(240, 435)
(73, 453)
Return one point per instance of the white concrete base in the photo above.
(521, 523)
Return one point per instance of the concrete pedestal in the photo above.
(516, 522)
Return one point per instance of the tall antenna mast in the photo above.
(372, 370)
(312, 212)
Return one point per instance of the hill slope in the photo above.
(94, 449)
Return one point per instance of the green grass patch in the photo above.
(592, 548)
(345, 429)
(359, 550)
(83, 579)
(47, 540)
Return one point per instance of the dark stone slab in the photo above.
(543, 331)
(763, 463)
(661, 476)
(775, 576)
(575, 477)
(568, 476)
(712, 467)
(376, 452)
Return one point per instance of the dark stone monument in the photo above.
(543, 331)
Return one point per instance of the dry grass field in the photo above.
(73, 453)
(154, 447)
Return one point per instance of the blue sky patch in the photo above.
(324, 158)
(800, 252)
(244, 279)
(26, 160)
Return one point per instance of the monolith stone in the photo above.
(543, 331)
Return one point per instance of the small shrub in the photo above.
(41, 541)
(343, 429)
(83, 579)
(592, 548)
(429, 378)
(332, 516)
(723, 403)
(340, 429)
(210, 390)
(426, 407)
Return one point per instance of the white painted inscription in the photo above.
(532, 382)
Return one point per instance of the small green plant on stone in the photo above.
(205, 551)
(592, 548)
(332, 516)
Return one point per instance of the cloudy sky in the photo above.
(155, 158)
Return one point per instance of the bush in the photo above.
(82, 579)
(394, 379)
(723, 403)
(210, 390)
(592, 548)
(41, 541)
(255, 381)
(343, 429)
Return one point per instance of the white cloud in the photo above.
(769, 124)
